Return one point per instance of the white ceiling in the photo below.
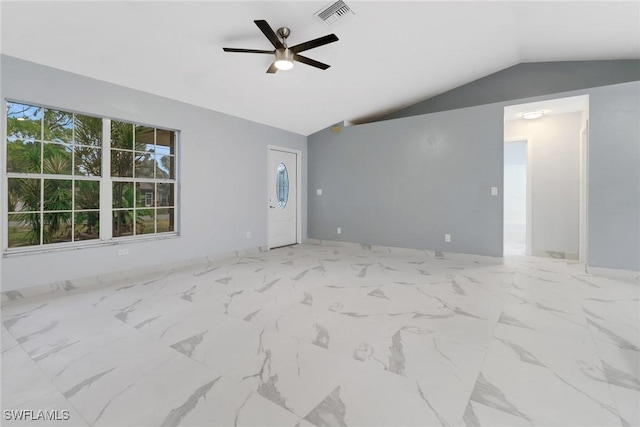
(390, 54)
(550, 107)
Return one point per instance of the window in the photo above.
(282, 185)
(53, 176)
(143, 179)
(54, 171)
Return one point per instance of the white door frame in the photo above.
(583, 244)
(270, 176)
(529, 215)
(584, 193)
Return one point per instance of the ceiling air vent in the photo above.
(334, 12)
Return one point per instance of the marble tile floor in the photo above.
(332, 335)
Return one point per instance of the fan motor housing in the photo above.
(284, 32)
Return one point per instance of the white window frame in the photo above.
(106, 197)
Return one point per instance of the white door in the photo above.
(283, 202)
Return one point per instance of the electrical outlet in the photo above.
(319, 192)
(447, 238)
(339, 230)
(248, 234)
(494, 191)
(123, 251)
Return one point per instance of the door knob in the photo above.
(272, 207)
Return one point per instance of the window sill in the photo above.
(63, 247)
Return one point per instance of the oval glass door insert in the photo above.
(282, 185)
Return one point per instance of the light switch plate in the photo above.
(319, 192)
(494, 191)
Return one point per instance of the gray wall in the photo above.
(528, 80)
(406, 182)
(223, 168)
(409, 181)
(614, 177)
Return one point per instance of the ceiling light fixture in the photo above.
(284, 59)
(284, 55)
(530, 115)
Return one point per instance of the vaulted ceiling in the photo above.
(390, 54)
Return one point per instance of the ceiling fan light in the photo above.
(284, 64)
(530, 115)
(284, 59)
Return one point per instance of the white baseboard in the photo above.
(407, 251)
(555, 255)
(106, 279)
(614, 273)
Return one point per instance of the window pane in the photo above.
(144, 165)
(121, 163)
(87, 195)
(88, 130)
(165, 195)
(88, 161)
(87, 225)
(23, 229)
(121, 135)
(145, 139)
(57, 227)
(166, 167)
(123, 223)
(162, 151)
(123, 195)
(23, 194)
(24, 122)
(282, 185)
(58, 126)
(145, 221)
(23, 156)
(166, 139)
(165, 220)
(57, 194)
(144, 194)
(57, 159)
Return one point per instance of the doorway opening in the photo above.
(545, 178)
(516, 203)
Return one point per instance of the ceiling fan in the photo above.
(284, 55)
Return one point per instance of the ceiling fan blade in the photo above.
(310, 61)
(269, 33)
(232, 49)
(320, 41)
(272, 69)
